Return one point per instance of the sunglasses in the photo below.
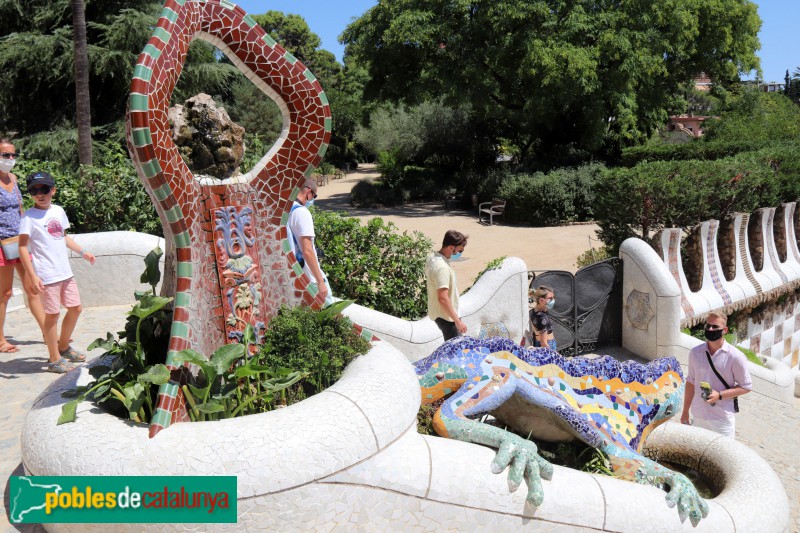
(43, 189)
(9, 155)
(713, 327)
(312, 192)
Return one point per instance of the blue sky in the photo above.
(328, 18)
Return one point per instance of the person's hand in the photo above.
(462, 328)
(34, 285)
(89, 256)
(685, 419)
(323, 291)
(714, 397)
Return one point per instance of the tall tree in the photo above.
(583, 73)
(83, 111)
(37, 89)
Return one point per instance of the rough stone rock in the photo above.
(209, 141)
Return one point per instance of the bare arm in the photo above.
(725, 394)
(310, 257)
(687, 402)
(443, 295)
(75, 247)
(35, 285)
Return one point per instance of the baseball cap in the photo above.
(40, 178)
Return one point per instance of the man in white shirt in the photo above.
(713, 407)
(441, 284)
(300, 226)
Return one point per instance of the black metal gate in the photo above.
(588, 309)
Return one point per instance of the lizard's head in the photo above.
(671, 401)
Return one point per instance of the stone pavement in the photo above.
(23, 377)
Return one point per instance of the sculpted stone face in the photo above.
(609, 405)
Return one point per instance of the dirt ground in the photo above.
(554, 248)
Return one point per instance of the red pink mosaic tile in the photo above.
(231, 268)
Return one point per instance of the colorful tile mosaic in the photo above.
(608, 404)
(228, 235)
(674, 265)
(711, 261)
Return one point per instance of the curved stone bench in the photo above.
(499, 296)
(114, 277)
(351, 457)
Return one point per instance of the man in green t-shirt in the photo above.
(442, 288)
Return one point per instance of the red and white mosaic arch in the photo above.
(233, 261)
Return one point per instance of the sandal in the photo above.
(73, 355)
(62, 366)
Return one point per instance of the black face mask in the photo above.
(713, 334)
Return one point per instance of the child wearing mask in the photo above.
(541, 327)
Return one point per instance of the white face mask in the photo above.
(7, 164)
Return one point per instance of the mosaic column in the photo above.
(233, 262)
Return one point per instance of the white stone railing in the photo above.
(500, 296)
(658, 301)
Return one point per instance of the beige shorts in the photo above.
(62, 292)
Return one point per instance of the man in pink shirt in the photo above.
(714, 409)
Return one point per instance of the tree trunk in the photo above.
(83, 108)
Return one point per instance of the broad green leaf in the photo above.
(148, 305)
(334, 309)
(210, 407)
(68, 412)
(107, 344)
(224, 356)
(156, 374)
(251, 370)
(98, 371)
(152, 274)
(249, 335)
(195, 358)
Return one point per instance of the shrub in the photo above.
(374, 264)
(708, 151)
(319, 343)
(108, 196)
(539, 199)
(635, 202)
(592, 256)
(364, 194)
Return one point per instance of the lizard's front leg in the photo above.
(681, 491)
(512, 450)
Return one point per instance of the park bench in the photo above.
(492, 209)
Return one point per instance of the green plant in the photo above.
(107, 196)
(577, 455)
(592, 256)
(225, 388)
(129, 384)
(491, 265)
(318, 343)
(638, 201)
(364, 194)
(374, 264)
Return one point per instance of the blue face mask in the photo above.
(310, 202)
(455, 255)
(551, 303)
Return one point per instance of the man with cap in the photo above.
(300, 227)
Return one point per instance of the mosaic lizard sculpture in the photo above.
(608, 405)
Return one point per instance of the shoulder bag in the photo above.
(735, 400)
